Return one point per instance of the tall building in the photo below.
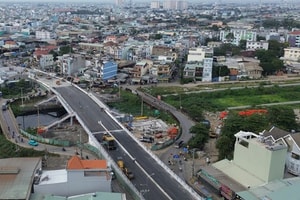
(175, 4)
(119, 2)
(234, 36)
(155, 5)
(294, 38)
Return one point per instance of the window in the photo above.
(244, 143)
(295, 156)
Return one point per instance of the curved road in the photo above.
(90, 112)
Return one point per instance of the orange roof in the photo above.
(76, 163)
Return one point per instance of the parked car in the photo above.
(32, 142)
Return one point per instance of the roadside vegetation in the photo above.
(131, 104)
(280, 116)
(10, 150)
(195, 104)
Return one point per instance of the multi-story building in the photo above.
(71, 64)
(79, 177)
(292, 54)
(234, 36)
(155, 5)
(139, 70)
(42, 35)
(119, 2)
(292, 161)
(294, 38)
(46, 61)
(163, 73)
(257, 161)
(164, 53)
(91, 46)
(108, 70)
(253, 45)
(196, 54)
(199, 64)
(175, 4)
(193, 70)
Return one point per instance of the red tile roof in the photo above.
(76, 163)
(294, 33)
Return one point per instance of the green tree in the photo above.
(235, 123)
(200, 136)
(65, 50)
(243, 44)
(269, 59)
(283, 118)
(229, 36)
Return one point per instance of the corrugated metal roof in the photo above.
(17, 185)
(275, 190)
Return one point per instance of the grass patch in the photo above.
(9, 150)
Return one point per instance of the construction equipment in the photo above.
(109, 141)
(125, 170)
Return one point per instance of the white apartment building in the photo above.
(253, 45)
(203, 55)
(155, 5)
(197, 54)
(175, 4)
(46, 61)
(238, 35)
(119, 2)
(42, 35)
(292, 54)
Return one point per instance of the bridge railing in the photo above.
(162, 164)
(94, 142)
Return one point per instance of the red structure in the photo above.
(251, 112)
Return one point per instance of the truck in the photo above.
(124, 169)
(109, 141)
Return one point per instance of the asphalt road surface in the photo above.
(91, 114)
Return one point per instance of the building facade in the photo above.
(292, 54)
(294, 38)
(254, 45)
(79, 177)
(234, 36)
(108, 70)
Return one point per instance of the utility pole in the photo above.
(142, 106)
(22, 96)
